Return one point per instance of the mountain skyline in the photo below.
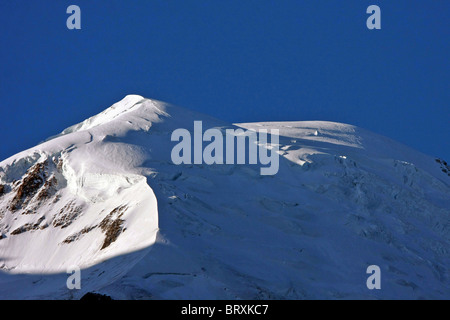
(237, 61)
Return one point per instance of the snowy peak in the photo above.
(127, 104)
(106, 196)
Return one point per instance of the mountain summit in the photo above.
(105, 196)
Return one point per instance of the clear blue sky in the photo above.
(246, 60)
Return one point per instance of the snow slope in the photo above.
(104, 195)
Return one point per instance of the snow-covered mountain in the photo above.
(104, 195)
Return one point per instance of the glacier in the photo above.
(104, 195)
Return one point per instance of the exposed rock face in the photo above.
(112, 226)
(30, 227)
(445, 168)
(67, 215)
(78, 235)
(30, 185)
